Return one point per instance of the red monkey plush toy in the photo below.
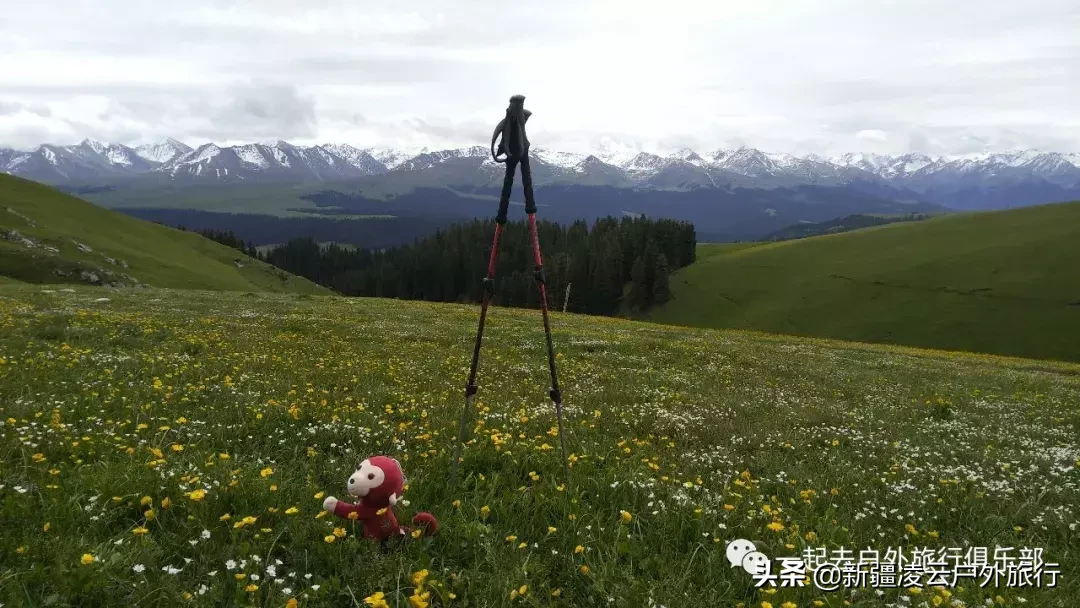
(378, 484)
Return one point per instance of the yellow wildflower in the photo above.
(197, 495)
(87, 559)
(419, 600)
(626, 516)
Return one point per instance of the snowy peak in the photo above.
(750, 162)
(163, 151)
(391, 158)
(689, 156)
(644, 161)
(615, 152)
(561, 160)
(886, 166)
(362, 160)
(427, 160)
(93, 145)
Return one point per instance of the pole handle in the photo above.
(513, 143)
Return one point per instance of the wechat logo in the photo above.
(743, 553)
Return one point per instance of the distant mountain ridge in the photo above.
(989, 180)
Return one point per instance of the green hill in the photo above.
(841, 224)
(1003, 282)
(50, 237)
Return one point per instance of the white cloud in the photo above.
(872, 135)
(790, 76)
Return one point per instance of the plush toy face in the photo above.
(378, 481)
(365, 479)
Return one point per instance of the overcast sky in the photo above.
(822, 76)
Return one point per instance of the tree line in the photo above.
(614, 266)
(229, 239)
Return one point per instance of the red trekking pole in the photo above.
(514, 148)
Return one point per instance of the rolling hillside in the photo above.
(1002, 282)
(50, 237)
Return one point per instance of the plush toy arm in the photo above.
(329, 504)
(344, 509)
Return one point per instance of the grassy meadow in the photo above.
(996, 282)
(162, 448)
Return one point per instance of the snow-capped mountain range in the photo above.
(174, 161)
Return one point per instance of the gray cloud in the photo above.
(255, 112)
(824, 77)
(10, 107)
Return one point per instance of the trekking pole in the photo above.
(470, 387)
(514, 147)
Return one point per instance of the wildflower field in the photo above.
(163, 448)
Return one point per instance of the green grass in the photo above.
(702, 436)
(277, 200)
(155, 255)
(1002, 282)
(706, 251)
